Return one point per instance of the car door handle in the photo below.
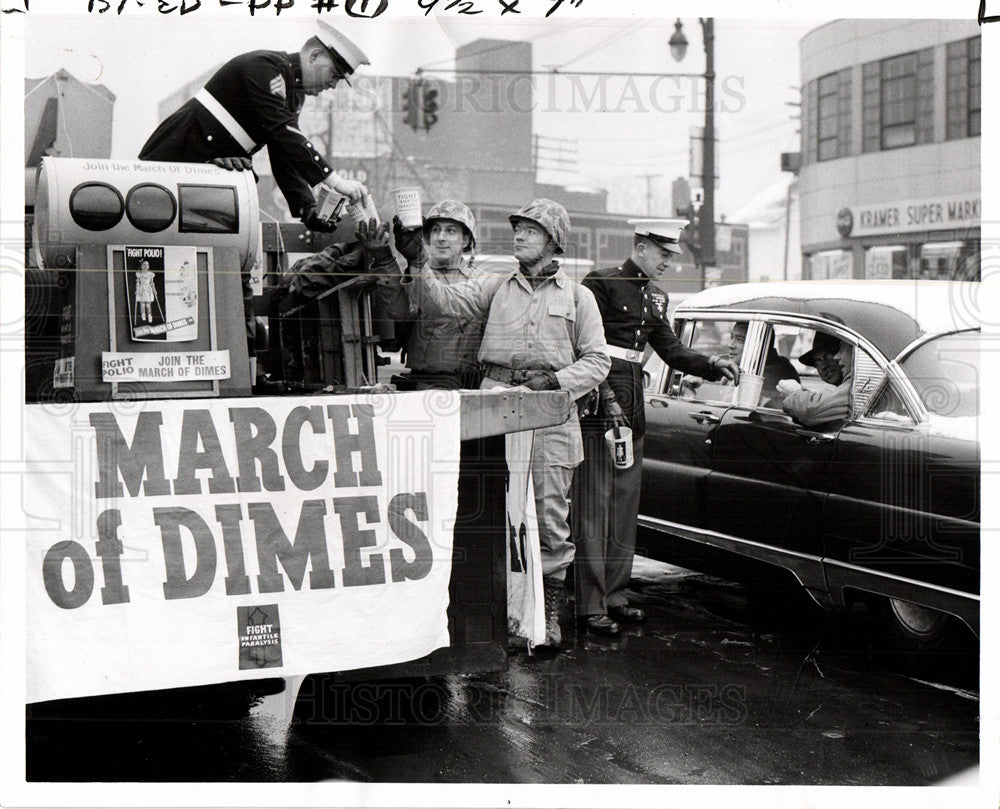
(816, 438)
(658, 403)
(701, 418)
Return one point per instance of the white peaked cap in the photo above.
(665, 232)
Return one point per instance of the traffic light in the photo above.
(413, 103)
(430, 107)
(691, 235)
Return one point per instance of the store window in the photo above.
(832, 264)
(898, 101)
(939, 260)
(887, 262)
(964, 105)
(953, 261)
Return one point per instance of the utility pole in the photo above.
(706, 227)
(560, 154)
(707, 212)
(649, 191)
(791, 161)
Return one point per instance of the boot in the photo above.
(554, 594)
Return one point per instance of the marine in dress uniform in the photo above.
(253, 101)
(606, 499)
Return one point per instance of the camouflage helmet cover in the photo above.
(550, 216)
(454, 211)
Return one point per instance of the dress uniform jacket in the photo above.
(605, 499)
(249, 103)
(634, 314)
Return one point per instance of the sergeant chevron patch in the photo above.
(278, 86)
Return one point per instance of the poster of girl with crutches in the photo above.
(162, 289)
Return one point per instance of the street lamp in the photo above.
(678, 48)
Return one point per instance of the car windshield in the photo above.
(945, 374)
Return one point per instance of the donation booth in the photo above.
(348, 532)
(147, 260)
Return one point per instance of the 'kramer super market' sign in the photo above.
(905, 216)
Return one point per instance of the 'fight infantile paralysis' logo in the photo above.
(260, 636)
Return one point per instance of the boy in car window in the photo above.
(776, 367)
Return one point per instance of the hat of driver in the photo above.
(348, 55)
(665, 232)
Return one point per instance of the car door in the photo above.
(683, 413)
(904, 505)
(772, 474)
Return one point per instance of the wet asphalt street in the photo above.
(723, 684)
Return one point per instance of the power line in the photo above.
(602, 45)
(506, 45)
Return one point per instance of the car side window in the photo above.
(707, 337)
(945, 374)
(773, 361)
(888, 406)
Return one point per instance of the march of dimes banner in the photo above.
(187, 543)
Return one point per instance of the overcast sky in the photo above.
(644, 128)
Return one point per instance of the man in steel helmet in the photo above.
(441, 352)
(543, 331)
(253, 101)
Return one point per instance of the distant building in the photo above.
(890, 181)
(478, 148)
(772, 220)
(63, 117)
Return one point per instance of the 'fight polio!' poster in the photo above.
(163, 293)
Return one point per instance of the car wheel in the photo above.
(914, 628)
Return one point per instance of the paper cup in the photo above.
(748, 391)
(620, 447)
(408, 206)
(363, 211)
(329, 204)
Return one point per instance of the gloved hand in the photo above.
(409, 242)
(614, 416)
(374, 238)
(542, 380)
(729, 369)
(233, 163)
(351, 189)
(312, 221)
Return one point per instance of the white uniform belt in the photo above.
(210, 103)
(628, 354)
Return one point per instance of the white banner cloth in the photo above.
(525, 597)
(187, 543)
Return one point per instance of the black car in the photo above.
(878, 508)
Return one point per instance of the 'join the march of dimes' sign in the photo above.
(187, 543)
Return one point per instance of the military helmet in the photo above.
(349, 56)
(550, 216)
(454, 211)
